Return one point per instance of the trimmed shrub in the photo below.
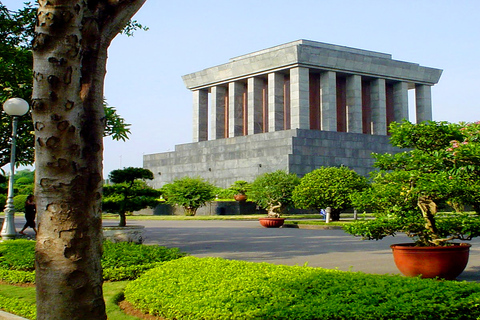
(17, 255)
(129, 254)
(328, 187)
(19, 202)
(189, 193)
(120, 261)
(214, 288)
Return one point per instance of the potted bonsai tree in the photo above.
(240, 189)
(328, 187)
(441, 165)
(273, 191)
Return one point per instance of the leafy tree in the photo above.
(16, 69)
(328, 187)
(129, 192)
(442, 165)
(189, 193)
(70, 53)
(273, 191)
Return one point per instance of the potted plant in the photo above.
(240, 189)
(441, 165)
(273, 191)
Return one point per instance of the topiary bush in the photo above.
(328, 187)
(214, 288)
(129, 192)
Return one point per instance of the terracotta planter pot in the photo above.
(430, 262)
(240, 197)
(272, 222)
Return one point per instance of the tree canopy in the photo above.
(440, 167)
(129, 192)
(189, 192)
(16, 78)
(328, 187)
(273, 191)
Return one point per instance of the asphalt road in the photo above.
(247, 240)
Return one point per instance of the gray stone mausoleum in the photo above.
(297, 107)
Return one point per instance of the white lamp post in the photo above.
(14, 107)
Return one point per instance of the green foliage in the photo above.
(3, 201)
(240, 187)
(214, 288)
(130, 174)
(115, 125)
(19, 202)
(328, 187)
(221, 193)
(18, 307)
(126, 254)
(120, 261)
(17, 255)
(443, 166)
(273, 191)
(16, 80)
(17, 277)
(129, 193)
(189, 193)
(16, 70)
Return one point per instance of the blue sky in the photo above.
(144, 72)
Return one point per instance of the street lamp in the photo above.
(14, 107)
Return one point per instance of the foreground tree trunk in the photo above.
(70, 53)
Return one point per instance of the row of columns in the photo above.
(303, 99)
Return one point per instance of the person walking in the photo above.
(30, 212)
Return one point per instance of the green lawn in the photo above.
(110, 291)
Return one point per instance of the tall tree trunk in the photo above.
(70, 52)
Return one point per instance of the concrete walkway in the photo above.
(247, 240)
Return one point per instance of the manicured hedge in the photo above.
(214, 288)
(120, 261)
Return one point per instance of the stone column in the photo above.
(275, 102)
(255, 105)
(328, 101)
(299, 98)
(235, 109)
(423, 101)
(200, 115)
(217, 98)
(379, 107)
(400, 101)
(354, 104)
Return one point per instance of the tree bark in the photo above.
(70, 53)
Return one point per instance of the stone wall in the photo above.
(224, 161)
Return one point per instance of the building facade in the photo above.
(297, 107)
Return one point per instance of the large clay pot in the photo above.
(430, 262)
(272, 222)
